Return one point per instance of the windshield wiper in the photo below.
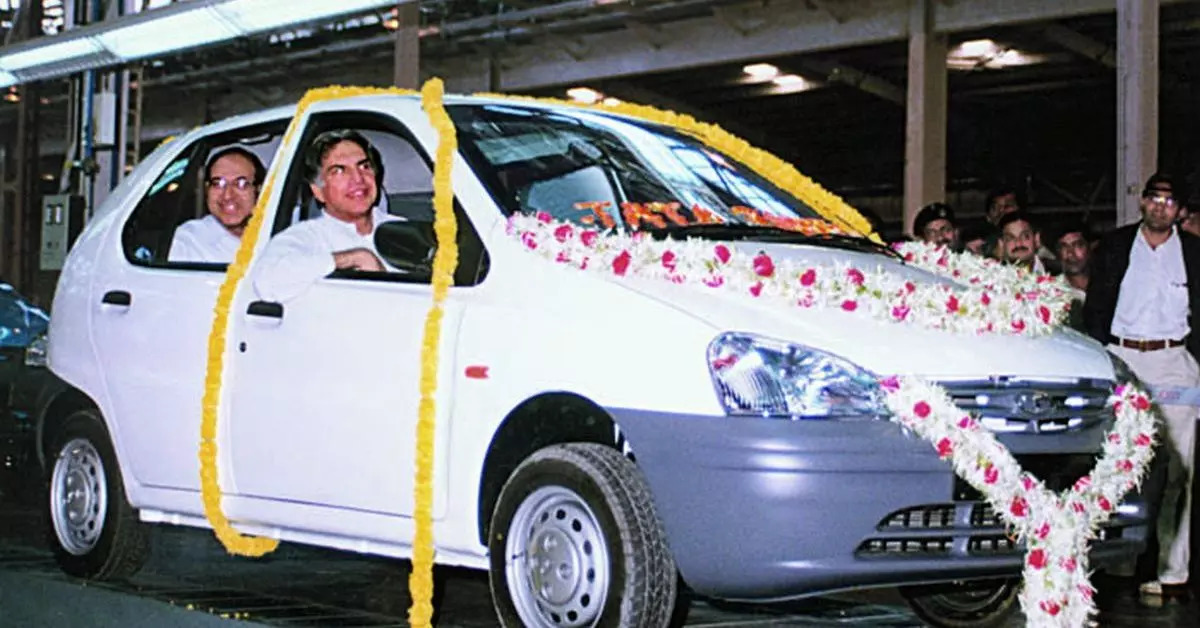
(772, 234)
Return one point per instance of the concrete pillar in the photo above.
(1137, 102)
(407, 60)
(925, 120)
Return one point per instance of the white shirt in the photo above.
(203, 240)
(303, 253)
(1153, 301)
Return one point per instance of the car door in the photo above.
(324, 394)
(151, 316)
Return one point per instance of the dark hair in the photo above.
(1011, 217)
(930, 213)
(260, 171)
(1163, 182)
(996, 193)
(1073, 226)
(325, 142)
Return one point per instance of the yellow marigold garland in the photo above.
(768, 166)
(445, 261)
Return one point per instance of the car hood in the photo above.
(883, 347)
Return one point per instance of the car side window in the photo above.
(176, 226)
(404, 189)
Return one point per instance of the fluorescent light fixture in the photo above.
(585, 95)
(169, 33)
(252, 16)
(7, 79)
(790, 80)
(976, 48)
(761, 71)
(50, 53)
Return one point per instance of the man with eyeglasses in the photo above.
(1143, 291)
(232, 180)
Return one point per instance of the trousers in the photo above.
(1173, 367)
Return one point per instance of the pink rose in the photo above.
(1104, 504)
(945, 448)
(1018, 325)
(621, 264)
(1125, 465)
(722, 253)
(563, 233)
(855, 276)
(756, 289)
(952, 304)
(910, 287)
(1044, 314)
(1050, 607)
(544, 217)
(1114, 439)
(1142, 440)
(714, 281)
(890, 383)
(588, 237)
(668, 260)
(1141, 402)
(991, 474)
(562, 257)
(1069, 563)
(849, 305)
(1019, 507)
(529, 240)
(1082, 483)
(763, 266)
(1027, 482)
(808, 278)
(922, 409)
(1043, 531)
(900, 312)
(1037, 558)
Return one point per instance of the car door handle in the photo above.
(269, 309)
(117, 297)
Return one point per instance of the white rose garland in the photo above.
(1056, 528)
(993, 298)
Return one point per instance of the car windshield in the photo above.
(597, 169)
(20, 322)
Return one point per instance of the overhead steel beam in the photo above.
(1081, 44)
(869, 83)
(789, 28)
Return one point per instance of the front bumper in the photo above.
(765, 509)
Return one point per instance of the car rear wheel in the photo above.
(94, 532)
(575, 541)
(978, 603)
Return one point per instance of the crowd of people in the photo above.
(1136, 289)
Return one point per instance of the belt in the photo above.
(1149, 345)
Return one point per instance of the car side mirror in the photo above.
(407, 245)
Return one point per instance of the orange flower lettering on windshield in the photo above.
(705, 217)
(636, 213)
(598, 211)
(670, 210)
(750, 215)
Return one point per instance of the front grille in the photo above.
(1005, 404)
(962, 528)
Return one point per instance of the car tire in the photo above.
(978, 604)
(575, 541)
(94, 532)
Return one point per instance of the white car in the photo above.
(589, 453)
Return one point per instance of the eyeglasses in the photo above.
(1165, 201)
(241, 184)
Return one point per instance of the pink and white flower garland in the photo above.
(992, 298)
(1056, 528)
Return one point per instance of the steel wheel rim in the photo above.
(78, 496)
(557, 561)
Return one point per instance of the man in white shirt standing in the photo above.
(232, 180)
(343, 171)
(1141, 299)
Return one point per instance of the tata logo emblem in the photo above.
(1034, 403)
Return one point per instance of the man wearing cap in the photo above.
(935, 224)
(1144, 287)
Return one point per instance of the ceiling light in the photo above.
(169, 33)
(50, 53)
(12, 97)
(584, 95)
(252, 16)
(612, 102)
(761, 71)
(976, 48)
(790, 80)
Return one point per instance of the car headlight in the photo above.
(1121, 371)
(757, 376)
(35, 352)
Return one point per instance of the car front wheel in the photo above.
(94, 532)
(974, 604)
(575, 541)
